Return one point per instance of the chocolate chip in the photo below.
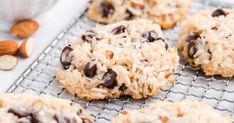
(192, 44)
(218, 13)
(90, 70)
(210, 54)
(130, 15)
(18, 113)
(192, 48)
(88, 37)
(228, 36)
(166, 45)
(28, 116)
(192, 37)
(56, 118)
(151, 36)
(34, 118)
(119, 29)
(73, 120)
(214, 28)
(109, 79)
(107, 9)
(79, 112)
(122, 87)
(84, 120)
(66, 57)
(61, 119)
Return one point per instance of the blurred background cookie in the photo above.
(165, 12)
(172, 112)
(206, 41)
(21, 108)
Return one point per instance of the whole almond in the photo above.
(8, 47)
(26, 47)
(24, 28)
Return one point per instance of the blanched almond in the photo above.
(26, 47)
(8, 47)
(8, 62)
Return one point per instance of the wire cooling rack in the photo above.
(190, 84)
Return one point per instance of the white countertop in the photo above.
(50, 25)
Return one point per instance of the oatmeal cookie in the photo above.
(21, 108)
(165, 12)
(125, 58)
(207, 41)
(172, 112)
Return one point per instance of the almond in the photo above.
(24, 28)
(26, 47)
(8, 47)
(8, 62)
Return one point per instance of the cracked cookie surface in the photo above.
(206, 41)
(125, 58)
(164, 12)
(172, 112)
(21, 108)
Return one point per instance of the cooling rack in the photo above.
(190, 84)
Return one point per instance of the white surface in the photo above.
(52, 23)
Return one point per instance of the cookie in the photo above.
(20, 108)
(206, 41)
(124, 58)
(172, 112)
(164, 12)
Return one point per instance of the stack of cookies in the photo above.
(130, 56)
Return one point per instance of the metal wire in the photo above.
(190, 83)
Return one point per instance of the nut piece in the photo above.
(138, 4)
(26, 47)
(8, 62)
(24, 28)
(8, 47)
(109, 54)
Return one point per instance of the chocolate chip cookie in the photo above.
(207, 41)
(165, 12)
(125, 58)
(172, 112)
(18, 108)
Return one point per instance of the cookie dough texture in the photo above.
(18, 108)
(172, 112)
(125, 58)
(207, 41)
(165, 12)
